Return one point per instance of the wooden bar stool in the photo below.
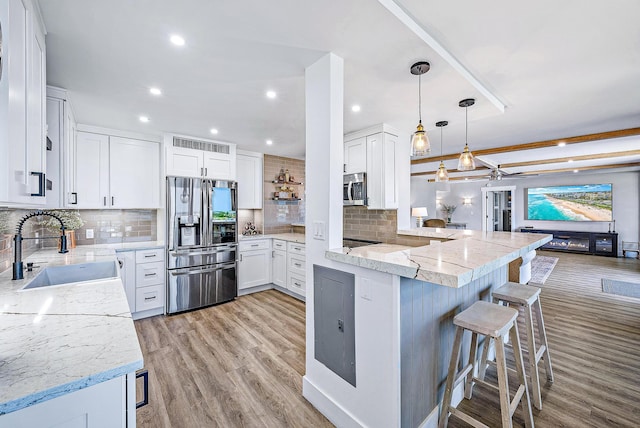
(494, 322)
(527, 297)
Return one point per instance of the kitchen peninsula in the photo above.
(405, 301)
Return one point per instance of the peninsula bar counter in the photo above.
(405, 301)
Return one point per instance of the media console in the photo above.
(597, 243)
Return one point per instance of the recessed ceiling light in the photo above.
(575, 170)
(144, 119)
(177, 40)
(355, 108)
(214, 131)
(155, 91)
(269, 142)
(570, 160)
(562, 144)
(271, 94)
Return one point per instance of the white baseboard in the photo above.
(255, 289)
(328, 407)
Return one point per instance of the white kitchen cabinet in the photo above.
(116, 172)
(380, 158)
(143, 277)
(296, 268)
(187, 157)
(61, 128)
(22, 105)
(279, 263)
(254, 263)
(109, 404)
(355, 155)
(250, 179)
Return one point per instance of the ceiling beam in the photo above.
(413, 25)
(450, 171)
(537, 145)
(571, 158)
(547, 171)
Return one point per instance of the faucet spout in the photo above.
(18, 268)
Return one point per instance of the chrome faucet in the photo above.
(17, 241)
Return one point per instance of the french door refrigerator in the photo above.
(201, 243)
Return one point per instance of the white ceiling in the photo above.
(561, 68)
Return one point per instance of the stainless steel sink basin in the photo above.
(70, 274)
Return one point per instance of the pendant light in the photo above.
(420, 144)
(466, 161)
(441, 174)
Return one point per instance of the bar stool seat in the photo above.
(493, 321)
(527, 297)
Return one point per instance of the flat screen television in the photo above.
(587, 202)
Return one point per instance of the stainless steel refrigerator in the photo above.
(201, 243)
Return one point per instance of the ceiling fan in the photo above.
(497, 174)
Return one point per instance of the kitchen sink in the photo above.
(71, 274)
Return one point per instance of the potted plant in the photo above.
(448, 210)
(72, 222)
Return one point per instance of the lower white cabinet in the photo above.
(254, 263)
(143, 277)
(279, 263)
(109, 404)
(296, 268)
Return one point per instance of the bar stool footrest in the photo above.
(462, 375)
(516, 400)
(468, 419)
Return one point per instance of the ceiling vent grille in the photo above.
(200, 145)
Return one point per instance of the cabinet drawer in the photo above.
(254, 244)
(296, 283)
(147, 256)
(279, 245)
(296, 248)
(296, 264)
(149, 274)
(149, 297)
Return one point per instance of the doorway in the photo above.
(498, 205)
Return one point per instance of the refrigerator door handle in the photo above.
(192, 271)
(191, 252)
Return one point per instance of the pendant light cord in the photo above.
(466, 126)
(441, 143)
(420, 98)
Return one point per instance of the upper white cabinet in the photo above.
(378, 149)
(116, 172)
(188, 157)
(355, 155)
(61, 132)
(22, 105)
(250, 181)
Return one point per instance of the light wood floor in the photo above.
(241, 363)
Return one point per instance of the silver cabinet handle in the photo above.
(255, 245)
(150, 298)
(201, 171)
(146, 256)
(113, 200)
(206, 171)
(273, 254)
(240, 258)
(298, 264)
(297, 284)
(151, 274)
(104, 201)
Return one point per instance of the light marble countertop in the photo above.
(290, 237)
(468, 255)
(59, 339)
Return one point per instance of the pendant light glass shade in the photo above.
(441, 174)
(420, 144)
(466, 162)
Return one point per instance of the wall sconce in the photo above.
(419, 212)
(466, 201)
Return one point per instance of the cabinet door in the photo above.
(381, 172)
(279, 268)
(183, 162)
(70, 163)
(254, 268)
(355, 156)
(92, 170)
(220, 166)
(249, 181)
(55, 134)
(127, 262)
(134, 173)
(36, 120)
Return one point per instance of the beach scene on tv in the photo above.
(589, 202)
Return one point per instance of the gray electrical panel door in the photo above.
(334, 330)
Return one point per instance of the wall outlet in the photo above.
(89, 233)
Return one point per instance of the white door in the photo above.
(92, 170)
(134, 173)
(355, 156)
(279, 268)
(254, 268)
(249, 181)
(183, 162)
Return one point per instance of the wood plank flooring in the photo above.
(240, 364)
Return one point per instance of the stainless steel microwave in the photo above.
(354, 189)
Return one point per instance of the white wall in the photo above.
(626, 201)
